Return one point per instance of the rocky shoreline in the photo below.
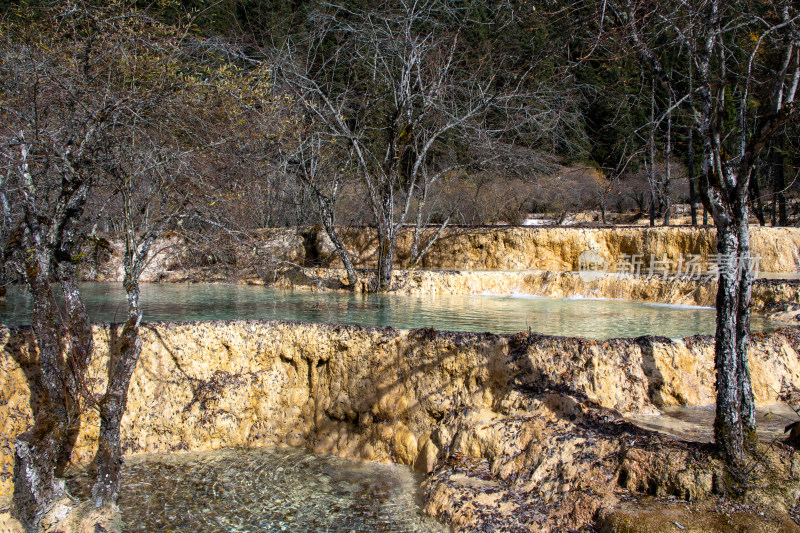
(517, 432)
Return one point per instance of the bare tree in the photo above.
(144, 174)
(321, 164)
(428, 180)
(153, 170)
(667, 166)
(54, 114)
(82, 84)
(737, 52)
(392, 83)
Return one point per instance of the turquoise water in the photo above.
(264, 490)
(597, 319)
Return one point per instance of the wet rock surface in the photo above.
(257, 257)
(590, 471)
(696, 424)
(782, 311)
(517, 432)
(655, 515)
(67, 515)
(671, 290)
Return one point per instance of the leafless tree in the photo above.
(81, 83)
(55, 112)
(392, 84)
(143, 173)
(321, 163)
(738, 52)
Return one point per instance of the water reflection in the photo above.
(590, 318)
(267, 489)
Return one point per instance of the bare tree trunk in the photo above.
(37, 452)
(758, 204)
(5, 230)
(323, 183)
(417, 258)
(774, 206)
(326, 215)
(651, 155)
(42, 453)
(418, 223)
(667, 176)
(387, 235)
(734, 425)
(79, 352)
(124, 357)
(690, 168)
(344, 255)
(412, 256)
(745, 269)
(728, 429)
(690, 153)
(779, 184)
(652, 208)
(603, 210)
(386, 250)
(705, 169)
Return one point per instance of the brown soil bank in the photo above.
(495, 248)
(518, 432)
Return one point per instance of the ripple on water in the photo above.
(265, 489)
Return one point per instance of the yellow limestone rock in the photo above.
(498, 420)
(496, 248)
(564, 285)
(368, 392)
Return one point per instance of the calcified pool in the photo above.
(697, 423)
(592, 318)
(264, 490)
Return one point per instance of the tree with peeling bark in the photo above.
(56, 109)
(81, 84)
(739, 81)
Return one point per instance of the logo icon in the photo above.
(591, 265)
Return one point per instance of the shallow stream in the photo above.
(284, 489)
(592, 318)
(265, 490)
